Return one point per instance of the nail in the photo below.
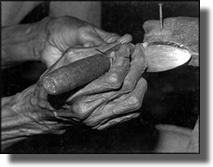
(161, 15)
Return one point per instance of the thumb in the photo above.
(92, 39)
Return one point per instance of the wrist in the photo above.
(40, 29)
(23, 42)
(14, 116)
(21, 119)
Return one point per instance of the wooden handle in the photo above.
(76, 74)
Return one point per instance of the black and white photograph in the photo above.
(100, 77)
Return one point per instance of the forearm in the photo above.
(12, 118)
(20, 119)
(14, 122)
(23, 42)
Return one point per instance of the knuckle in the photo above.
(60, 21)
(115, 81)
(80, 111)
(124, 49)
(144, 83)
(129, 85)
(135, 102)
(85, 31)
(86, 28)
(89, 27)
(63, 18)
(94, 119)
(90, 122)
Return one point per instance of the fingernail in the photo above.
(111, 39)
(132, 47)
(126, 38)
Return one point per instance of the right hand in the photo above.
(106, 101)
(66, 31)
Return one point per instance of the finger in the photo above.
(127, 38)
(106, 36)
(88, 44)
(111, 80)
(112, 37)
(116, 121)
(50, 55)
(74, 54)
(138, 65)
(91, 102)
(122, 105)
(84, 106)
(91, 39)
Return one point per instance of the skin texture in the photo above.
(14, 11)
(76, 74)
(110, 99)
(48, 39)
(79, 72)
(89, 11)
(106, 101)
(67, 31)
(24, 42)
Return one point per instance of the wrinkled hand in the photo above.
(115, 96)
(108, 100)
(65, 32)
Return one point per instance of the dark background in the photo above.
(172, 96)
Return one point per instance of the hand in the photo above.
(65, 32)
(106, 101)
(49, 38)
(116, 96)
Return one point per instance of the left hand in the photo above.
(106, 101)
(65, 32)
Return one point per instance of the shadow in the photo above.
(96, 158)
(153, 158)
(144, 139)
(57, 101)
(204, 84)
